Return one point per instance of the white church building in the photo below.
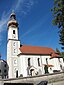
(29, 60)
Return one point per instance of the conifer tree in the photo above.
(60, 53)
(58, 13)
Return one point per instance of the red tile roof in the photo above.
(37, 50)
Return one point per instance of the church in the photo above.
(26, 61)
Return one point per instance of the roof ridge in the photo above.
(37, 46)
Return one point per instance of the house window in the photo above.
(5, 65)
(13, 31)
(46, 60)
(28, 61)
(38, 61)
(0, 70)
(5, 71)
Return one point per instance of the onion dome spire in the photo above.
(12, 16)
(12, 20)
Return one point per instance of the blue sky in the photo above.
(35, 23)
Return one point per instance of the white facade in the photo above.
(38, 69)
(28, 64)
(10, 33)
(13, 46)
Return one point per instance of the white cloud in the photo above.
(0, 36)
(19, 3)
(3, 22)
(24, 6)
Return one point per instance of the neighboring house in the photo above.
(3, 69)
(34, 60)
(29, 60)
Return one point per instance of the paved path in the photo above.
(57, 83)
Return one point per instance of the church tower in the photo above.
(13, 45)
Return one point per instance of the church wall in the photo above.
(56, 64)
(40, 69)
(24, 63)
(9, 49)
(10, 69)
(12, 52)
(62, 62)
(44, 62)
(20, 63)
(10, 32)
(22, 66)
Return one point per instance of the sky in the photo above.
(35, 23)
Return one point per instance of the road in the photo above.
(57, 83)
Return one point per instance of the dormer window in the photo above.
(13, 31)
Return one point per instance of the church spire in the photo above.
(12, 20)
(13, 45)
(13, 16)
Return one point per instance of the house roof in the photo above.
(1, 60)
(37, 50)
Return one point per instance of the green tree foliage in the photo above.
(60, 53)
(57, 51)
(61, 35)
(58, 13)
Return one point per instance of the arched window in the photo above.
(46, 60)
(28, 61)
(38, 61)
(17, 74)
(13, 31)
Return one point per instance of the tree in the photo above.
(60, 53)
(58, 13)
(57, 51)
(61, 35)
